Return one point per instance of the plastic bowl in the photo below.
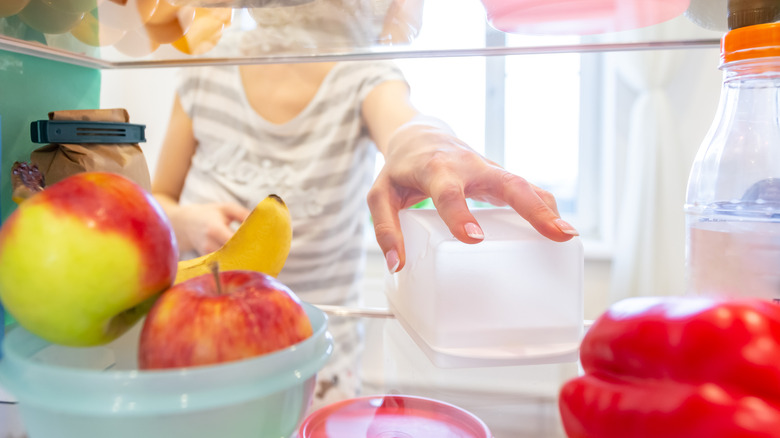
(98, 392)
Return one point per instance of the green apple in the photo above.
(12, 7)
(221, 317)
(42, 16)
(83, 260)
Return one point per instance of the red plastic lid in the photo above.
(392, 416)
(579, 17)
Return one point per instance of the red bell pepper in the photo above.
(672, 367)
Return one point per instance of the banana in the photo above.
(261, 243)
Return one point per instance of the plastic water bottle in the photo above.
(733, 200)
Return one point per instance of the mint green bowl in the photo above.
(98, 392)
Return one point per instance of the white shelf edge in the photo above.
(61, 55)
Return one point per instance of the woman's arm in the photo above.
(424, 158)
(176, 153)
(200, 227)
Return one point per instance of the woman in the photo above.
(308, 132)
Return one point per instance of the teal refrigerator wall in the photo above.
(30, 88)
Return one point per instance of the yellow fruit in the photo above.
(205, 31)
(94, 33)
(165, 13)
(261, 243)
(173, 29)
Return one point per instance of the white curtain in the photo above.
(649, 248)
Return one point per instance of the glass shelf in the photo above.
(123, 36)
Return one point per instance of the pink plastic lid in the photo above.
(392, 416)
(579, 17)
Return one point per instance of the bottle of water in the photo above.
(733, 201)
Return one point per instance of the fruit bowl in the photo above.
(99, 392)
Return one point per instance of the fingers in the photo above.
(537, 206)
(450, 201)
(384, 214)
(534, 204)
(547, 198)
(222, 226)
(499, 187)
(234, 212)
(232, 217)
(215, 238)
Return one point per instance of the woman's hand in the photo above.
(205, 227)
(423, 158)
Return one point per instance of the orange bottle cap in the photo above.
(750, 42)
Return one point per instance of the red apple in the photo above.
(215, 318)
(84, 259)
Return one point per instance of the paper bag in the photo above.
(57, 161)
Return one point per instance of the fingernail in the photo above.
(392, 261)
(474, 231)
(566, 227)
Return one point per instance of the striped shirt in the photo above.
(321, 163)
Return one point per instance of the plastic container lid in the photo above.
(392, 416)
(579, 17)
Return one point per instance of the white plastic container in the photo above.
(515, 298)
